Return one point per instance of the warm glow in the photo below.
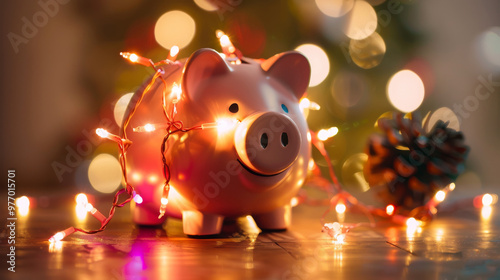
(311, 164)
(440, 196)
(149, 127)
(207, 5)
(361, 22)
(340, 238)
(451, 186)
(335, 8)
(152, 179)
(225, 125)
(121, 107)
(320, 65)
(389, 209)
(133, 57)
(487, 199)
(176, 93)
(23, 205)
(105, 173)
(138, 199)
(174, 51)
(486, 212)
(89, 207)
(325, 134)
(81, 211)
(294, 201)
(174, 28)
(81, 199)
(164, 201)
(57, 237)
(444, 114)
(224, 41)
(340, 208)
(406, 91)
(102, 132)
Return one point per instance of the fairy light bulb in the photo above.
(164, 201)
(487, 199)
(294, 201)
(134, 58)
(389, 209)
(61, 234)
(102, 132)
(451, 186)
(81, 199)
(149, 127)
(440, 196)
(176, 93)
(340, 208)
(174, 51)
(138, 199)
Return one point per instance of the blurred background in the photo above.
(62, 75)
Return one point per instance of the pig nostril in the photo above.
(264, 140)
(284, 139)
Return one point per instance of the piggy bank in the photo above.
(253, 162)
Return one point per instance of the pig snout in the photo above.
(267, 143)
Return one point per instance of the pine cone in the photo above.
(406, 166)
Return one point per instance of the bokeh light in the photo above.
(489, 46)
(361, 22)
(320, 64)
(23, 205)
(105, 173)
(440, 196)
(121, 106)
(206, 5)
(367, 53)
(335, 8)
(174, 28)
(445, 114)
(406, 91)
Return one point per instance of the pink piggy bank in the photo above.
(252, 163)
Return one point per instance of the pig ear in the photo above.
(202, 64)
(290, 68)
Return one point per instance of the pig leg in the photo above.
(198, 223)
(146, 216)
(278, 219)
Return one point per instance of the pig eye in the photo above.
(234, 108)
(283, 106)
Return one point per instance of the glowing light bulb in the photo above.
(412, 223)
(487, 199)
(176, 93)
(164, 201)
(323, 135)
(389, 209)
(440, 196)
(23, 205)
(451, 186)
(89, 207)
(340, 238)
(102, 132)
(149, 127)
(340, 208)
(294, 201)
(174, 51)
(134, 58)
(57, 237)
(304, 103)
(81, 199)
(224, 41)
(138, 199)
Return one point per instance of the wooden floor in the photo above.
(459, 244)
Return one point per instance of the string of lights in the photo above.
(341, 201)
